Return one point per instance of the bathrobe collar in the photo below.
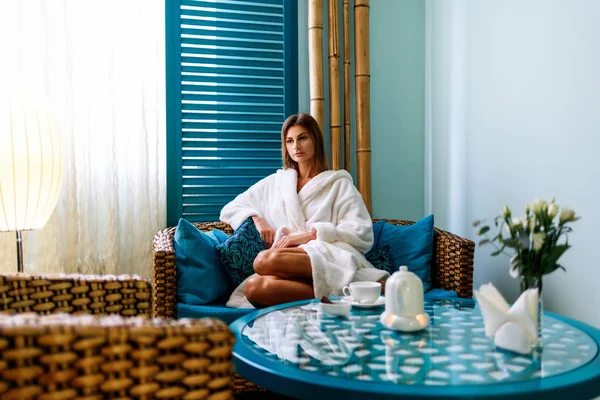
(288, 184)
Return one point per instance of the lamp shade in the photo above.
(31, 161)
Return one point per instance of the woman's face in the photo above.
(300, 145)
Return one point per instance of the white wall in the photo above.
(515, 115)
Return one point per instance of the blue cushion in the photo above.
(201, 278)
(409, 245)
(219, 235)
(214, 310)
(440, 294)
(239, 251)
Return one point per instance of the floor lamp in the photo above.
(31, 164)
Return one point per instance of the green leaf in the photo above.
(497, 252)
(549, 268)
(555, 253)
(476, 223)
(484, 242)
(511, 243)
(483, 230)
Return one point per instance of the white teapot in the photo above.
(404, 302)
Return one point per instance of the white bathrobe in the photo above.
(329, 204)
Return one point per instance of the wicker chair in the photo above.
(80, 351)
(452, 269)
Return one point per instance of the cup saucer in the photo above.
(379, 302)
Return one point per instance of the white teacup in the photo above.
(363, 292)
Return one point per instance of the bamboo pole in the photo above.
(315, 60)
(334, 86)
(362, 95)
(347, 143)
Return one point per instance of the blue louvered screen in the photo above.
(231, 82)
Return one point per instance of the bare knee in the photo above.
(255, 289)
(265, 261)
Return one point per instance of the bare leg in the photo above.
(289, 263)
(284, 275)
(265, 291)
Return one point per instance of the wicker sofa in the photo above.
(78, 336)
(452, 269)
(452, 266)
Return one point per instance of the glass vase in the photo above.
(532, 283)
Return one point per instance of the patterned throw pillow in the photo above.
(238, 252)
(380, 258)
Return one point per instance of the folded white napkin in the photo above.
(513, 328)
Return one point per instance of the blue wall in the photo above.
(397, 31)
(397, 40)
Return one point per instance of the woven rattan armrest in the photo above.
(453, 259)
(452, 262)
(77, 294)
(64, 356)
(164, 272)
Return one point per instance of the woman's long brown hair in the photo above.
(312, 126)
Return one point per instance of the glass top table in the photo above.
(297, 350)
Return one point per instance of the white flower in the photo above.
(524, 221)
(538, 240)
(531, 226)
(537, 206)
(566, 215)
(552, 210)
(517, 224)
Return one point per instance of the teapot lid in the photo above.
(404, 273)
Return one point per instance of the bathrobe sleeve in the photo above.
(246, 204)
(351, 222)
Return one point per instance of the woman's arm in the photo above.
(267, 234)
(247, 204)
(295, 240)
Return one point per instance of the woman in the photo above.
(313, 222)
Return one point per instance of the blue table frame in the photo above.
(580, 383)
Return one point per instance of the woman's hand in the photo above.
(295, 240)
(267, 234)
(283, 243)
(382, 281)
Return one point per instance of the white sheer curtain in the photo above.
(101, 64)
